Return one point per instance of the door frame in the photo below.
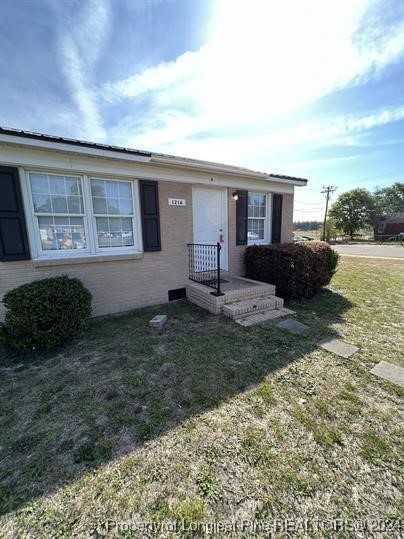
(224, 253)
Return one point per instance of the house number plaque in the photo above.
(177, 202)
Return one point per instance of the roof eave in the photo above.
(208, 167)
(223, 169)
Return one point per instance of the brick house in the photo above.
(390, 226)
(121, 219)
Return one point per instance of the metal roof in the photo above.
(284, 177)
(154, 156)
(75, 142)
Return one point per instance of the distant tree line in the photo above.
(306, 225)
(359, 208)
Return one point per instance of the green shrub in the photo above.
(42, 314)
(298, 270)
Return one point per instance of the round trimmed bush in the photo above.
(42, 314)
(298, 270)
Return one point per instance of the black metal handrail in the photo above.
(204, 265)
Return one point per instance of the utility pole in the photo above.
(327, 190)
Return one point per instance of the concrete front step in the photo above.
(234, 289)
(263, 316)
(241, 294)
(246, 307)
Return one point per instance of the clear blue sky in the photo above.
(306, 88)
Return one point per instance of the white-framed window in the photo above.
(113, 212)
(75, 215)
(258, 218)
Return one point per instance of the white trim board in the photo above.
(57, 161)
(76, 147)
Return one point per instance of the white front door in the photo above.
(209, 208)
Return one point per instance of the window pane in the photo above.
(103, 235)
(127, 232)
(113, 206)
(73, 186)
(125, 190)
(98, 188)
(114, 232)
(59, 204)
(42, 203)
(125, 205)
(39, 183)
(112, 189)
(99, 205)
(57, 185)
(74, 205)
(62, 233)
(256, 229)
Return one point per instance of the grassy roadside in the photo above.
(207, 420)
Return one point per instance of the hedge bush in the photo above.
(42, 314)
(298, 270)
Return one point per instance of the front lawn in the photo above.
(206, 420)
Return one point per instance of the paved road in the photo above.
(386, 251)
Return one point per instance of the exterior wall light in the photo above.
(235, 195)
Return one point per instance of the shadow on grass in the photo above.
(123, 383)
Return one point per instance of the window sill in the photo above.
(40, 262)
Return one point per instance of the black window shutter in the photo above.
(276, 218)
(13, 232)
(241, 218)
(149, 204)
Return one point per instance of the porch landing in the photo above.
(246, 301)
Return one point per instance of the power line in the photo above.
(313, 210)
(360, 180)
(309, 203)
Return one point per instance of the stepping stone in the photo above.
(339, 347)
(263, 316)
(293, 326)
(389, 372)
(158, 321)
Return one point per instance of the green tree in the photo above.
(389, 200)
(353, 210)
